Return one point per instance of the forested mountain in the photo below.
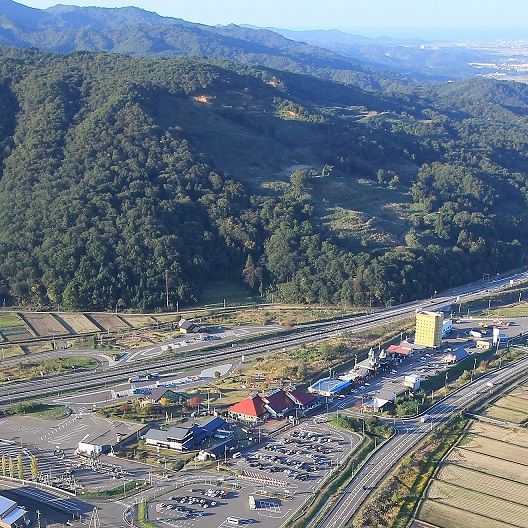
(137, 32)
(115, 170)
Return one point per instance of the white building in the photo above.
(11, 514)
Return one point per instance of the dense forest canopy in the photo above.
(117, 172)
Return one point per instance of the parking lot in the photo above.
(53, 443)
(274, 480)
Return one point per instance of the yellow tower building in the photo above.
(429, 329)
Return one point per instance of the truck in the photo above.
(425, 418)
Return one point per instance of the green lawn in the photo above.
(40, 410)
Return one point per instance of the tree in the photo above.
(252, 274)
(34, 467)
(20, 467)
(4, 465)
(165, 402)
(194, 402)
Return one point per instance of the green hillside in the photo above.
(118, 170)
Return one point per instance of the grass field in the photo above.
(10, 320)
(517, 310)
(39, 348)
(9, 351)
(216, 292)
(483, 483)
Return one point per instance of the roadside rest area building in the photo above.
(275, 404)
(189, 438)
(11, 514)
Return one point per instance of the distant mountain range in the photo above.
(133, 31)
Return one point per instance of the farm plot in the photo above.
(139, 321)
(511, 436)
(445, 516)
(491, 465)
(479, 503)
(478, 481)
(496, 448)
(78, 322)
(10, 351)
(520, 392)
(12, 328)
(44, 324)
(508, 415)
(110, 322)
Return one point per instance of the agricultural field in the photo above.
(109, 322)
(78, 323)
(12, 328)
(139, 321)
(511, 408)
(482, 484)
(44, 324)
(10, 351)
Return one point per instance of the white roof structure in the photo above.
(10, 512)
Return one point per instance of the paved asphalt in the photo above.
(409, 433)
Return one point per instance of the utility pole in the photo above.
(474, 367)
(167, 287)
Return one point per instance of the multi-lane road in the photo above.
(408, 434)
(264, 345)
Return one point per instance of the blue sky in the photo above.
(409, 17)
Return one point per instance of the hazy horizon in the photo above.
(474, 20)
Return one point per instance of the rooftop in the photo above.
(250, 407)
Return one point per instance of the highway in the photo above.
(25, 390)
(408, 434)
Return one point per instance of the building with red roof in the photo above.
(249, 410)
(276, 404)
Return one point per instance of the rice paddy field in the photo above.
(139, 321)
(483, 483)
(511, 408)
(44, 324)
(108, 321)
(78, 322)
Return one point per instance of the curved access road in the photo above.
(408, 434)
